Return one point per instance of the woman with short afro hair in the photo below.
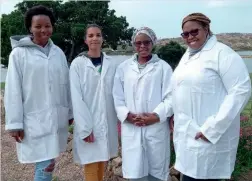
(37, 94)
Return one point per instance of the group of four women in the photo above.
(205, 93)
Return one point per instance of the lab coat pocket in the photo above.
(191, 142)
(40, 124)
(99, 132)
(63, 113)
(127, 129)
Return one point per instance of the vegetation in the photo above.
(172, 52)
(2, 85)
(244, 153)
(72, 18)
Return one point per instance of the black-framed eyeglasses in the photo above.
(145, 43)
(186, 34)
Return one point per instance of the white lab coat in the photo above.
(93, 109)
(37, 100)
(145, 150)
(210, 90)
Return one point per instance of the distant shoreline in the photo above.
(128, 53)
(246, 56)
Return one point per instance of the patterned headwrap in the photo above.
(196, 17)
(147, 31)
(200, 18)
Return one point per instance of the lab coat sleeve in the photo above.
(70, 113)
(118, 95)
(13, 93)
(164, 109)
(83, 121)
(236, 80)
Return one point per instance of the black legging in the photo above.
(186, 178)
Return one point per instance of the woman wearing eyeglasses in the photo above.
(211, 85)
(142, 97)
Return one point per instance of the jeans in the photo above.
(44, 170)
(186, 178)
(147, 178)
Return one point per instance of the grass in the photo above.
(2, 85)
(55, 178)
(244, 152)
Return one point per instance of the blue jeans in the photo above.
(186, 178)
(44, 170)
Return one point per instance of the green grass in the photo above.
(244, 152)
(55, 178)
(2, 85)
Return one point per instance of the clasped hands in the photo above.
(143, 119)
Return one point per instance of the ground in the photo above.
(12, 170)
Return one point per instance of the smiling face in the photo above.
(194, 34)
(143, 45)
(41, 28)
(94, 38)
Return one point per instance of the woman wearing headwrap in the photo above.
(211, 85)
(142, 100)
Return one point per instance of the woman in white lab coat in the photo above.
(142, 97)
(211, 86)
(95, 131)
(37, 94)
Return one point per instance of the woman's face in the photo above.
(94, 38)
(143, 45)
(194, 34)
(41, 28)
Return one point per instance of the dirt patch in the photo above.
(246, 177)
(12, 170)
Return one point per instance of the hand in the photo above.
(90, 138)
(139, 121)
(70, 121)
(146, 119)
(131, 118)
(18, 135)
(171, 123)
(200, 135)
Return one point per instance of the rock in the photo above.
(70, 137)
(117, 171)
(174, 178)
(69, 146)
(109, 166)
(117, 162)
(170, 178)
(174, 172)
(121, 179)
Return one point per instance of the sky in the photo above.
(165, 16)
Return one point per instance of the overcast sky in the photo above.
(165, 16)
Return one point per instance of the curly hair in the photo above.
(38, 10)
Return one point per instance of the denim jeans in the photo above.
(44, 170)
(186, 178)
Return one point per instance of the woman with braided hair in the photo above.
(211, 85)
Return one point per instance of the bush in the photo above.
(171, 53)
